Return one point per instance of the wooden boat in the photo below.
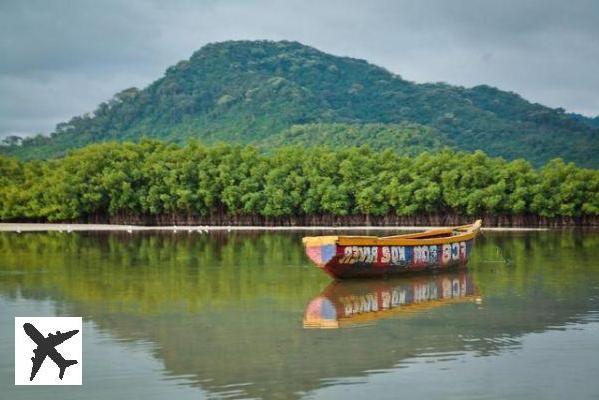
(371, 256)
(356, 302)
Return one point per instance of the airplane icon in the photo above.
(46, 347)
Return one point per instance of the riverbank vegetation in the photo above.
(153, 181)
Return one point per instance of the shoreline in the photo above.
(61, 227)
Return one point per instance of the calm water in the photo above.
(243, 316)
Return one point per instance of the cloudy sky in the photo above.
(61, 58)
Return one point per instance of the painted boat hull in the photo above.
(345, 257)
(377, 261)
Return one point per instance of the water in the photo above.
(242, 315)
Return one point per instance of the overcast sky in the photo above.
(61, 58)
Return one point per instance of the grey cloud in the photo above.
(62, 58)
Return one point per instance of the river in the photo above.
(246, 315)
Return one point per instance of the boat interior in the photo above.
(431, 236)
(438, 232)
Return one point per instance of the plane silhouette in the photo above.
(46, 347)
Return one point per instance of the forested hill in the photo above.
(248, 92)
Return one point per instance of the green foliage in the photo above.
(259, 92)
(156, 178)
(405, 138)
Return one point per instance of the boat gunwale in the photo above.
(411, 239)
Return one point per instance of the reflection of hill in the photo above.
(228, 309)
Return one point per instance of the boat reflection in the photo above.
(349, 303)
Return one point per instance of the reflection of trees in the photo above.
(228, 309)
(553, 262)
(150, 272)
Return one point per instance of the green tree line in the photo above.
(156, 178)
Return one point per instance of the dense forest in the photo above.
(264, 92)
(405, 139)
(157, 182)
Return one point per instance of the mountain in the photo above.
(406, 138)
(250, 91)
(593, 122)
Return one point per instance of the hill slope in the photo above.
(248, 91)
(405, 139)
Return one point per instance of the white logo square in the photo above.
(48, 350)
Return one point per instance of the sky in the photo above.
(62, 58)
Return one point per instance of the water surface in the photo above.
(241, 315)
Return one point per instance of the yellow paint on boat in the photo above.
(436, 236)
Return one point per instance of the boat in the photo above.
(352, 303)
(371, 256)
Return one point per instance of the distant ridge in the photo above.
(256, 91)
